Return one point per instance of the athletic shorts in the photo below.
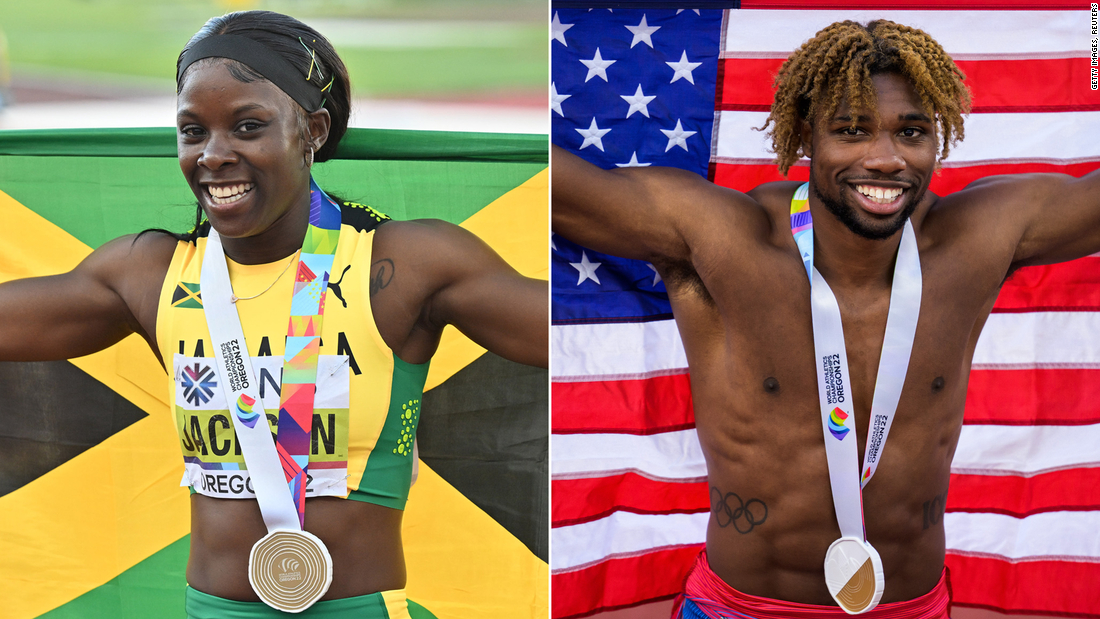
(383, 605)
(706, 596)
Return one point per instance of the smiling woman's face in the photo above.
(243, 152)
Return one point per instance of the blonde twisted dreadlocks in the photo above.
(838, 63)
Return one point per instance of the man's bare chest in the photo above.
(750, 347)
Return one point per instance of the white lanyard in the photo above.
(289, 569)
(837, 410)
(834, 384)
(242, 391)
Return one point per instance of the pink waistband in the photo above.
(712, 595)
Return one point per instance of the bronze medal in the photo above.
(289, 570)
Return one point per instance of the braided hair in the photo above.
(837, 65)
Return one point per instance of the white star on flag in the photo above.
(557, 29)
(676, 137)
(633, 163)
(642, 33)
(556, 99)
(552, 245)
(598, 66)
(594, 135)
(683, 68)
(638, 102)
(656, 275)
(678, 11)
(586, 269)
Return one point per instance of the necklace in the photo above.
(234, 298)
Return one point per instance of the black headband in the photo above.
(260, 58)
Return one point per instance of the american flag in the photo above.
(685, 88)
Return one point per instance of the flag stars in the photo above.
(676, 136)
(556, 99)
(586, 269)
(678, 11)
(682, 68)
(557, 30)
(642, 33)
(656, 275)
(638, 102)
(594, 135)
(633, 163)
(598, 66)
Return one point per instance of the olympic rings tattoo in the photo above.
(726, 514)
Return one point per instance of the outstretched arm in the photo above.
(1056, 217)
(110, 294)
(641, 213)
(440, 274)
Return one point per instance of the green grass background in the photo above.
(142, 38)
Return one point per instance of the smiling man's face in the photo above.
(873, 176)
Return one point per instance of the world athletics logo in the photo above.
(247, 417)
(836, 423)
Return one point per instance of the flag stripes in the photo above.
(746, 174)
(1013, 33)
(590, 498)
(1069, 587)
(994, 84)
(1044, 137)
(630, 501)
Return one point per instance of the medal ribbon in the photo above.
(281, 497)
(833, 378)
(303, 342)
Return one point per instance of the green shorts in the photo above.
(384, 605)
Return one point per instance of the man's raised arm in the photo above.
(1056, 216)
(1065, 224)
(635, 213)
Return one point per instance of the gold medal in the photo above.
(853, 573)
(289, 570)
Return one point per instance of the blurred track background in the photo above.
(474, 65)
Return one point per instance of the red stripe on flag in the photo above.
(967, 5)
(622, 582)
(642, 406)
(1058, 588)
(583, 500)
(1019, 497)
(1031, 85)
(1067, 286)
(1033, 397)
(744, 177)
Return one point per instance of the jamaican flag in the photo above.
(93, 522)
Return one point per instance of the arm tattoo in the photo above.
(381, 275)
(729, 509)
(933, 510)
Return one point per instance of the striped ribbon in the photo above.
(303, 343)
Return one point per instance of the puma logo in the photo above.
(335, 288)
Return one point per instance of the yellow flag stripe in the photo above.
(462, 564)
(517, 226)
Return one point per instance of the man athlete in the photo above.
(871, 106)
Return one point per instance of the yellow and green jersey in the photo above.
(368, 401)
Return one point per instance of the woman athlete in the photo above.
(261, 97)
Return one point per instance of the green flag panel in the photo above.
(152, 588)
